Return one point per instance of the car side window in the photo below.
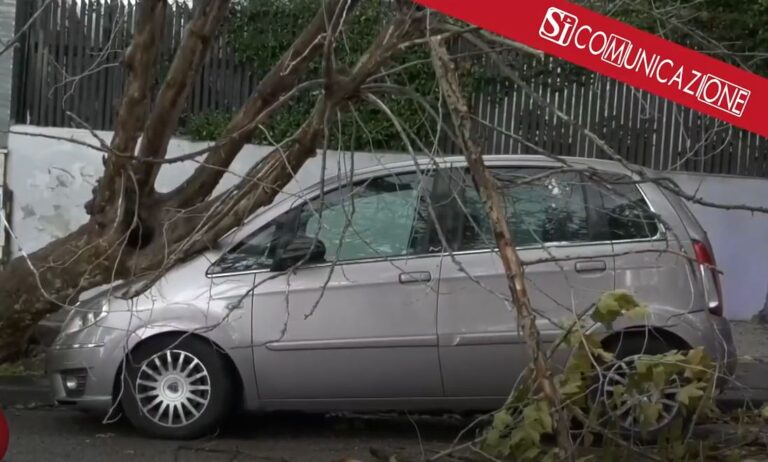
(540, 208)
(621, 211)
(382, 217)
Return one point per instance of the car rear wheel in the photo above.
(176, 387)
(623, 407)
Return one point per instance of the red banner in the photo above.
(3, 435)
(622, 52)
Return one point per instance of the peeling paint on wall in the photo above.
(50, 196)
(27, 211)
(56, 224)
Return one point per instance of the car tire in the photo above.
(177, 387)
(633, 343)
(624, 347)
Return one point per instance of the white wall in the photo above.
(739, 238)
(51, 179)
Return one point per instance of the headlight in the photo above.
(86, 315)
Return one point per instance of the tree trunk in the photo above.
(132, 230)
(62, 270)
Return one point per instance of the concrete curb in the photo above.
(731, 402)
(24, 391)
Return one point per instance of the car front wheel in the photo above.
(176, 387)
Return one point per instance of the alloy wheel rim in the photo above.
(626, 407)
(173, 388)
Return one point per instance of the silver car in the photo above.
(382, 291)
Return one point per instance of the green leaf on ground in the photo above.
(692, 390)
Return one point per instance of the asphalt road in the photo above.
(55, 434)
(42, 433)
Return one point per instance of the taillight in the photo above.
(710, 277)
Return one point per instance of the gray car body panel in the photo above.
(376, 340)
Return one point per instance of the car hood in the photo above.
(185, 283)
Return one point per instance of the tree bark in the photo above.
(280, 80)
(131, 117)
(51, 278)
(170, 101)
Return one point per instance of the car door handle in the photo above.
(415, 277)
(590, 266)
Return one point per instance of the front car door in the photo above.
(482, 351)
(361, 324)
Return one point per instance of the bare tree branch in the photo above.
(489, 191)
(163, 121)
(281, 79)
(197, 228)
(140, 62)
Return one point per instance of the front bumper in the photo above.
(93, 364)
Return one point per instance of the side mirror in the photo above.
(299, 249)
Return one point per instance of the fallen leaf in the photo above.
(638, 313)
(689, 391)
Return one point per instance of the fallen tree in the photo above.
(134, 231)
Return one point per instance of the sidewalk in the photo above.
(750, 387)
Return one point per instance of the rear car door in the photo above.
(482, 351)
(362, 323)
(649, 241)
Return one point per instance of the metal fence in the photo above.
(70, 62)
(642, 128)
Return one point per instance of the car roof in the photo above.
(512, 159)
(490, 159)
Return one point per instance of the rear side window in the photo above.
(539, 207)
(620, 210)
(543, 206)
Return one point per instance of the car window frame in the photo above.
(423, 250)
